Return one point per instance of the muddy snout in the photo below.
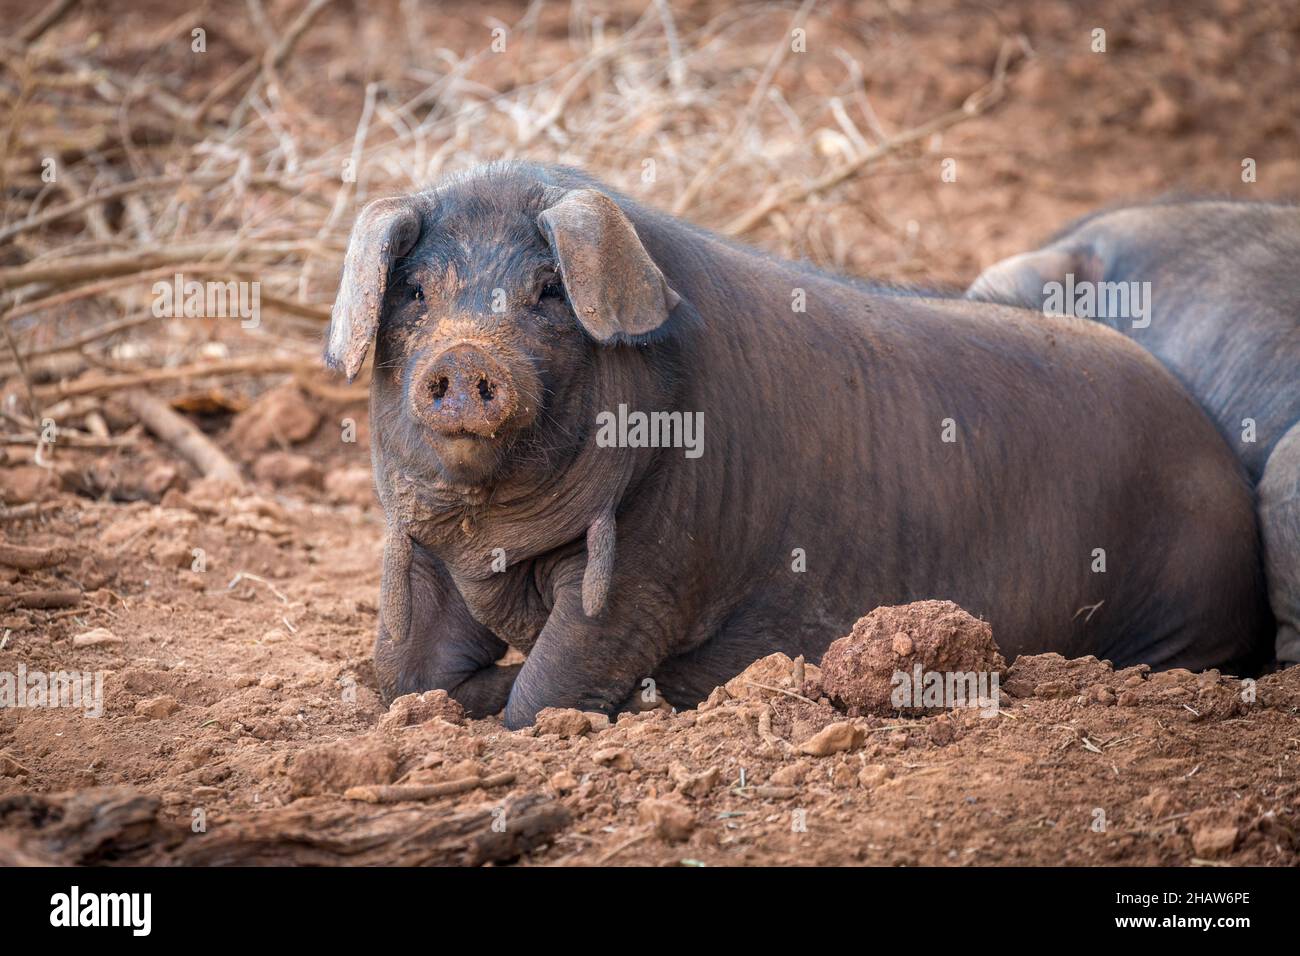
(464, 390)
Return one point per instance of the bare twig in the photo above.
(396, 793)
(181, 434)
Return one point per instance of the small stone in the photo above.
(1214, 842)
(563, 782)
(873, 775)
(790, 775)
(693, 784)
(832, 739)
(157, 708)
(903, 645)
(283, 468)
(27, 483)
(411, 709)
(562, 722)
(96, 638)
(614, 757)
(671, 821)
(843, 777)
(280, 416)
(941, 731)
(1102, 695)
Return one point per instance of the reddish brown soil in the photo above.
(255, 704)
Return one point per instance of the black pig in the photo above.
(1223, 315)
(868, 449)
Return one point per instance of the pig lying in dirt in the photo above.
(1222, 311)
(859, 448)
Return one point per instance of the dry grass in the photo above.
(249, 161)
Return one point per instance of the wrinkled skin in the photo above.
(1225, 320)
(822, 433)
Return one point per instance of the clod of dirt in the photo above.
(693, 784)
(563, 781)
(671, 821)
(938, 636)
(157, 708)
(771, 675)
(335, 767)
(1213, 842)
(1051, 675)
(281, 416)
(833, 739)
(614, 757)
(873, 775)
(562, 722)
(283, 469)
(27, 483)
(412, 709)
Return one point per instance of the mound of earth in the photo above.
(894, 655)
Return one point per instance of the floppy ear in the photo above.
(1020, 280)
(385, 230)
(615, 288)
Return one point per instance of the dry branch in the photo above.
(64, 271)
(178, 432)
(31, 559)
(324, 833)
(43, 600)
(39, 25)
(397, 793)
(252, 365)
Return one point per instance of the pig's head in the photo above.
(1023, 279)
(489, 301)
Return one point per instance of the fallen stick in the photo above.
(132, 188)
(101, 332)
(396, 793)
(250, 365)
(37, 26)
(64, 271)
(33, 509)
(42, 600)
(31, 559)
(178, 432)
(71, 440)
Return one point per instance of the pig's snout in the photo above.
(465, 390)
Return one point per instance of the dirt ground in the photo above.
(233, 626)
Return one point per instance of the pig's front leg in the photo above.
(587, 663)
(443, 648)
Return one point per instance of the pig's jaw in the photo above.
(466, 461)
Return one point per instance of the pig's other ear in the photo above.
(615, 288)
(386, 230)
(1021, 279)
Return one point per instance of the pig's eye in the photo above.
(417, 292)
(552, 290)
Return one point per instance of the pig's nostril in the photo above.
(439, 387)
(485, 390)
